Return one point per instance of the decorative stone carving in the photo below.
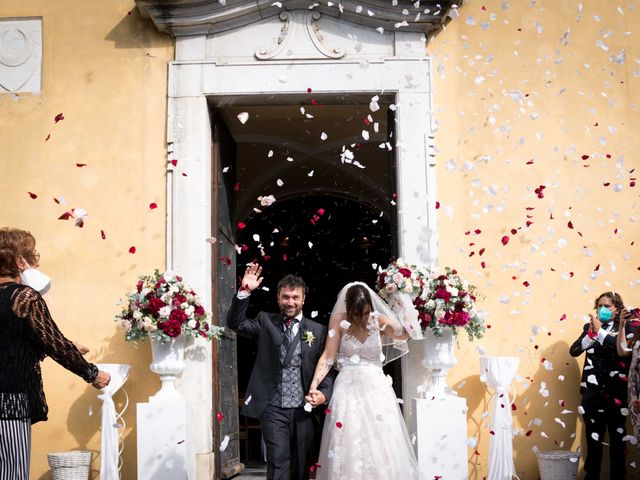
(20, 55)
(300, 38)
(197, 17)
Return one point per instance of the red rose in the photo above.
(178, 315)
(199, 310)
(172, 328)
(443, 294)
(155, 304)
(405, 272)
(139, 286)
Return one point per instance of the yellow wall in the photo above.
(105, 70)
(574, 102)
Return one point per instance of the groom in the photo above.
(289, 346)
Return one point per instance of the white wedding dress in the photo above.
(364, 435)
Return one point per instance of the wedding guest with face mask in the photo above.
(27, 336)
(604, 385)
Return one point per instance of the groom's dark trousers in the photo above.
(288, 435)
(280, 378)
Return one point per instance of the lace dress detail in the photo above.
(364, 432)
(27, 335)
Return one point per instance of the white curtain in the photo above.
(110, 449)
(498, 373)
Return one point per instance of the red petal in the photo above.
(563, 317)
(48, 137)
(528, 434)
(173, 162)
(339, 424)
(66, 215)
(309, 90)
(32, 195)
(327, 410)
(570, 224)
(59, 117)
(321, 211)
(153, 206)
(79, 165)
(236, 187)
(132, 249)
(505, 240)
(219, 416)
(103, 235)
(437, 205)
(241, 225)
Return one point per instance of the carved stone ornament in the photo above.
(20, 55)
(301, 38)
(197, 17)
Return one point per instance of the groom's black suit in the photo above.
(291, 444)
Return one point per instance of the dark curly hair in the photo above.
(292, 281)
(615, 298)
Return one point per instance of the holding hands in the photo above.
(315, 397)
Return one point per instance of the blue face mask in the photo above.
(604, 314)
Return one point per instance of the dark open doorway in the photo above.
(329, 164)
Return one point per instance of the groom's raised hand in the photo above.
(252, 278)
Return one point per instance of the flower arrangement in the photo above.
(163, 306)
(449, 300)
(402, 277)
(442, 300)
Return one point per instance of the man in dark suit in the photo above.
(289, 346)
(604, 386)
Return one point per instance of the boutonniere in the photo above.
(308, 337)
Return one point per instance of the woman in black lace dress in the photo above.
(27, 335)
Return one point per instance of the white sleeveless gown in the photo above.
(364, 435)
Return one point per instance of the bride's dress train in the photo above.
(364, 434)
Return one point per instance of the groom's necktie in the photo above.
(288, 332)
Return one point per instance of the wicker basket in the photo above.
(73, 465)
(558, 465)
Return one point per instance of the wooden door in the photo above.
(225, 395)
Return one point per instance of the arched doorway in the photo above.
(329, 241)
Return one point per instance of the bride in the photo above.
(364, 433)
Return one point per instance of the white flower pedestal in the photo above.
(166, 448)
(440, 416)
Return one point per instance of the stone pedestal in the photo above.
(165, 447)
(441, 428)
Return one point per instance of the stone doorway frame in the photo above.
(193, 77)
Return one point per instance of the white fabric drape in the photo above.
(110, 449)
(499, 373)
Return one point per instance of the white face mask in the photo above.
(35, 279)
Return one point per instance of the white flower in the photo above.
(431, 304)
(408, 287)
(453, 291)
(145, 291)
(137, 315)
(173, 289)
(166, 298)
(439, 313)
(188, 309)
(165, 311)
(191, 324)
(126, 324)
(150, 327)
(397, 278)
